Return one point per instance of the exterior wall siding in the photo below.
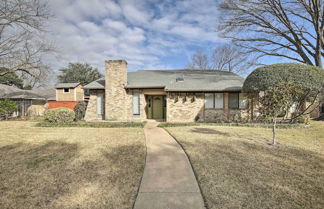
(61, 96)
(79, 93)
(182, 107)
(91, 112)
(74, 94)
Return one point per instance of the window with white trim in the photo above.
(214, 100)
(136, 103)
(66, 90)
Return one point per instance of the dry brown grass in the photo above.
(237, 168)
(69, 167)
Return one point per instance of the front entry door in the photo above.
(157, 107)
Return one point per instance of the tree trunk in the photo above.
(274, 121)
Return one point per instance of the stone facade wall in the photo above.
(91, 112)
(180, 109)
(185, 107)
(116, 101)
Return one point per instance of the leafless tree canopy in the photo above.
(21, 36)
(225, 57)
(291, 29)
(229, 57)
(199, 61)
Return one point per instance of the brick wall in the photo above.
(56, 104)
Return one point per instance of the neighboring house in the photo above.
(171, 95)
(30, 102)
(67, 95)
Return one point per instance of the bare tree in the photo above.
(199, 61)
(225, 57)
(22, 43)
(229, 57)
(291, 29)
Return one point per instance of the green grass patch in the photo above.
(92, 125)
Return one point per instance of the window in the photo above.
(237, 101)
(219, 100)
(209, 100)
(243, 101)
(66, 90)
(136, 103)
(214, 100)
(233, 102)
(99, 104)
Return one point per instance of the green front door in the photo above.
(157, 107)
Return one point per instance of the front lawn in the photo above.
(69, 167)
(237, 168)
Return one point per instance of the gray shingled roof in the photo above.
(66, 85)
(193, 80)
(24, 95)
(15, 93)
(5, 89)
(97, 84)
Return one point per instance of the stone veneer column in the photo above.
(115, 98)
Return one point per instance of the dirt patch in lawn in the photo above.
(69, 167)
(239, 169)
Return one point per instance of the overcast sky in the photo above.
(149, 34)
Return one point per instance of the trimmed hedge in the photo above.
(272, 75)
(59, 115)
(92, 125)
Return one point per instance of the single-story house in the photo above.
(30, 102)
(170, 95)
(67, 95)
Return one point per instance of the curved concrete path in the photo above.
(168, 181)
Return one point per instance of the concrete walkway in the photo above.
(168, 181)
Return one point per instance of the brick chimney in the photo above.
(115, 98)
